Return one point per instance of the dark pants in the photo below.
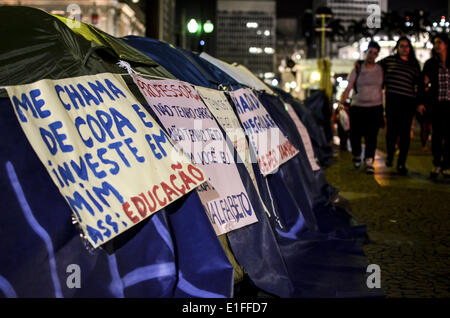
(440, 138)
(365, 122)
(400, 111)
(425, 126)
(343, 136)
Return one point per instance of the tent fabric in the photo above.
(305, 249)
(328, 227)
(318, 103)
(35, 40)
(171, 59)
(252, 81)
(263, 245)
(40, 242)
(98, 37)
(225, 81)
(328, 219)
(163, 256)
(291, 201)
(328, 238)
(254, 246)
(333, 233)
(322, 148)
(229, 69)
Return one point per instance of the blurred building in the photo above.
(349, 11)
(118, 18)
(246, 34)
(160, 19)
(289, 42)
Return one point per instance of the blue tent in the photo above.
(321, 146)
(317, 244)
(174, 253)
(254, 246)
(325, 235)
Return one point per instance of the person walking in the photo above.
(401, 78)
(425, 127)
(435, 97)
(366, 108)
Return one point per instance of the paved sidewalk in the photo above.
(407, 217)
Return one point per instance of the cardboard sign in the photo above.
(305, 137)
(219, 106)
(271, 146)
(194, 129)
(217, 103)
(109, 158)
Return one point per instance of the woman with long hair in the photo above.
(366, 109)
(401, 78)
(435, 94)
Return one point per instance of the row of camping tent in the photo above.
(281, 230)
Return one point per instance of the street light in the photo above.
(196, 29)
(193, 26)
(208, 27)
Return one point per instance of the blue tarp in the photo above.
(254, 247)
(322, 148)
(322, 236)
(174, 253)
(155, 259)
(315, 238)
(305, 249)
(171, 59)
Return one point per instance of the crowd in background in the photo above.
(392, 92)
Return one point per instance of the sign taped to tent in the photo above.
(194, 129)
(109, 158)
(271, 146)
(218, 105)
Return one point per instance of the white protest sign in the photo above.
(271, 146)
(305, 137)
(217, 103)
(194, 129)
(109, 158)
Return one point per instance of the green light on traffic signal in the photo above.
(208, 27)
(193, 26)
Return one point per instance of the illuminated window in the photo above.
(255, 50)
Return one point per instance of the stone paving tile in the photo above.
(408, 222)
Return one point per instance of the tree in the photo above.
(338, 31)
(392, 24)
(357, 29)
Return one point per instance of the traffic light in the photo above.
(208, 27)
(193, 26)
(196, 27)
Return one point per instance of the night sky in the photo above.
(292, 8)
(436, 8)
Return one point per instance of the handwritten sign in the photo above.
(305, 137)
(111, 161)
(271, 146)
(194, 129)
(217, 103)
